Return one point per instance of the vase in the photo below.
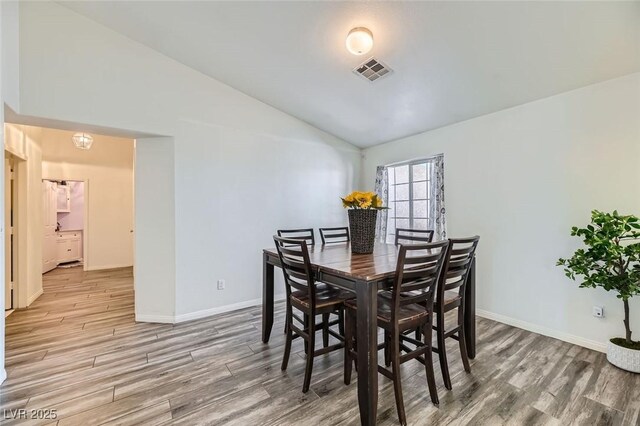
(362, 226)
(625, 358)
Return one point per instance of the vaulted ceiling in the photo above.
(452, 60)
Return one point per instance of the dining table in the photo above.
(364, 275)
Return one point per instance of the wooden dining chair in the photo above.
(413, 236)
(306, 234)
(408, 306)
(451, 295)
(309, 298)
(334, 235)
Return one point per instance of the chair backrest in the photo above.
(457, 266)
(335, 235)
(298, 234)
(411, 236)
(417, 274)
(296, 266)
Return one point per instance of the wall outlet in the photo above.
(598, 311)
(221, 284)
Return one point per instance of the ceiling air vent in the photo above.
(372, 70)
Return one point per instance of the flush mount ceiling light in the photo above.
(359, 41)
(82, 140)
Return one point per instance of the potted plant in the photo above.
(363, 211)
(611, 260)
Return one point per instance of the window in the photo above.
(409, 196)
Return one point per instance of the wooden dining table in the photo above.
(363, 275)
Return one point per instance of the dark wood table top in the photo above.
(338, 259)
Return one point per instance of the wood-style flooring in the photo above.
(78, 350)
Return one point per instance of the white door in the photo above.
(49, 249)
(8, 236)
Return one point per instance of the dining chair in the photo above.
(408, 306)
(412, 236)
(310, 298)
(306, 234)
(451, 295)
(334, 235)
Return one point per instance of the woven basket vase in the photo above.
(362, 226)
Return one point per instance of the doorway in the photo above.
(50, 168)
(64, 208)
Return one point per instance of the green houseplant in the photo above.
(611, 260)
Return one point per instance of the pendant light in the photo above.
(82, 140)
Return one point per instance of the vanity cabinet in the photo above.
(69, 246)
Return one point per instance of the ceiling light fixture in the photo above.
(359, 41)
(82, 140)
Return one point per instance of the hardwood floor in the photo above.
(78, 350)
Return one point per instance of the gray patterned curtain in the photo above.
(382, 190)
(437, 220)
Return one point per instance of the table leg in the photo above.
(267, 298)
(367, 347)
(470, 312)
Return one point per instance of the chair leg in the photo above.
(387, 349)
(286, 323)
(428, 365)
(306, 327)
(289, 338)
(397, 386)
(341, 321)
(348, 346)
(462, 342)
(309, 367)
(325, 330)
(442, 352)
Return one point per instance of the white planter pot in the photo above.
(627, 359)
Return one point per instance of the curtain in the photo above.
(382, 190)
(437, 220)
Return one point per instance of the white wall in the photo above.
(234, 157)
(24, 143)
(9, 53)
(155, 222)
(3, 88)
(520, 178)
(107, 169)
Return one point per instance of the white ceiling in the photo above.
(452, 60)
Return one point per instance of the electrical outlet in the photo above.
(598, 311)
(221, 284)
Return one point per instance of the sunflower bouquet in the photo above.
(362, 200)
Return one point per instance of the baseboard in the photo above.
(34, 296)
(3, 375)
(570, 338)
(190, 316)
(222, 309)
(104, 267)
(163, 319)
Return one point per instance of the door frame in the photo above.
(10, 229)
(85, 207)
(19, 229)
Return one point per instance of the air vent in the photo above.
(372, 70)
